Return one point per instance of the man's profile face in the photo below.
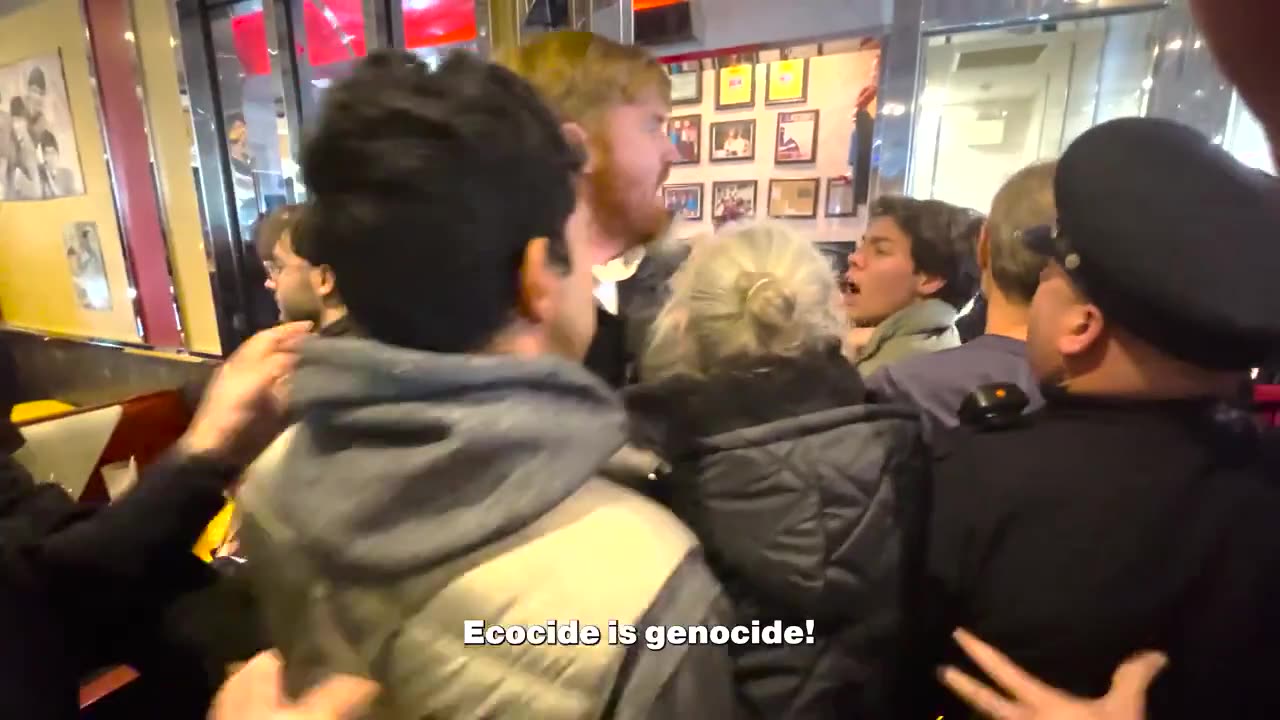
(290, 278)
(882, 277)
(636, 155)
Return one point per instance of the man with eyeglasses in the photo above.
(302, 290)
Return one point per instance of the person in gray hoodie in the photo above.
(448, 470)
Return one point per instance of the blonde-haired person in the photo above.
(614, 101)
(795, 486)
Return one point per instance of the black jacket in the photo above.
(1101, 528)
(799, 492)
(82, 588)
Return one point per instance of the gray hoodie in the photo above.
(417, 491)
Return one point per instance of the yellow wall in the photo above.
(171, 136)
(36, 290)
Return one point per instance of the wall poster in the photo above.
(39, 159)
(88, 271)
(736, 87)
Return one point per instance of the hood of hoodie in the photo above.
(927, 317)
(401, 460)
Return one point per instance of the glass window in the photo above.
(1246, 139)
(433, 28)
(995, 101)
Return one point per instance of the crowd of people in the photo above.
(459, 419)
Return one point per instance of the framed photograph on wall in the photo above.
(733, 199)
(685, 132)
(88, 271)
(686, 82)
(685, 200)
(797, 137)
(840, 200)
(36, 113)
(736, 87)
(786, 82)
(793, 198)
(733, 140)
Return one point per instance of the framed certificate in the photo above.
(793, 198)
(736, 87)
(686, 88)
(786, 82)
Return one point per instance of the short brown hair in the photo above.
(273, 226)
(580, 74)
(1024, 201)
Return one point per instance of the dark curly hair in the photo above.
(426, 187)
(943, 242)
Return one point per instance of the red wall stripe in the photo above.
(114, 57)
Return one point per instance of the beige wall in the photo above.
(172, 137)
(834, 82)
(36, 290)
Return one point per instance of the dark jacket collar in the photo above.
(345, 326)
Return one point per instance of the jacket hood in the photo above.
(402, 460)
(928, 317)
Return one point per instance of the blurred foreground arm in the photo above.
(255, 693)
(1030, 699)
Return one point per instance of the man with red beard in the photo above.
(614, 101)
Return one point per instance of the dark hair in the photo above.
(426, 188)
(272, 226)
(943, 242)
(17, 108)
(47, 141)
(36, 79)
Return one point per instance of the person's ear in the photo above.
(928, 285)
(324, 281)
(984, 247)
(1083, 329)
(537, 282)
(577, 137)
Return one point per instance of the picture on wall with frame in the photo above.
(786, 82)
(733, 199)
(793, 198)
(840, 200)
(733, 140)
(684, 199)
(685, 132)
(797, 137)
(736, 87)
(686, 82)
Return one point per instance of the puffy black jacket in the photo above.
(802, 495)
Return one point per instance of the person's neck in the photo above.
(604, 245)
(331, 315)
(1005, 317)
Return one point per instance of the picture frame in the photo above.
(46, 131)
(736, 87)
(684, 200)
(686, 83)
(840, 200)
(685, 133)
(793, 198)
(797, 137)
(733, 199)
(787, 82)
(733, 140)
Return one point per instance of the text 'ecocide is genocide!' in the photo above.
(655, 637)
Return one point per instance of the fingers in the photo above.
(1003, 670)
(340, 697)
(1130, 682)
(979, 697)
(281, 338)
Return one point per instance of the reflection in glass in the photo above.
(994, 101)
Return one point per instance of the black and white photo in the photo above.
(39, 159)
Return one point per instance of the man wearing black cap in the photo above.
(1123, 516)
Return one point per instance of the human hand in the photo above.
(243, 408)
(256, 692)
(1031, 699)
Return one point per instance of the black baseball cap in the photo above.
(1172, 238)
